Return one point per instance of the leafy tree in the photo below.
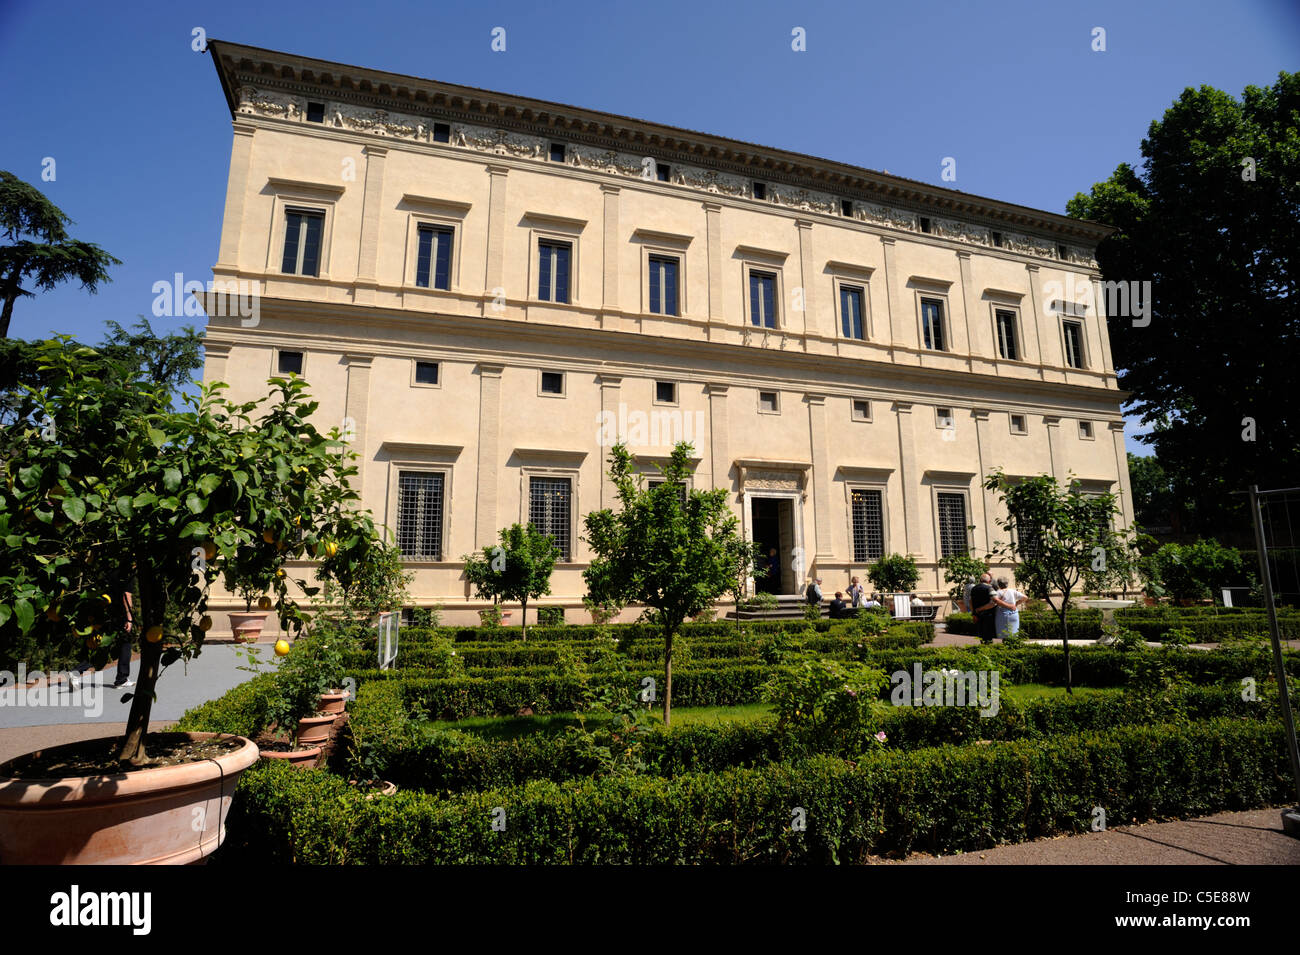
(1113, 568)
(746, 561)
(957, 569)
(1196, 571)
(894, 574)
(1210, 220)
(1156, 503)
(517, 570)
(1056, 534)
(50, 256)
(103, 485)
(673, 553)
(162, 359)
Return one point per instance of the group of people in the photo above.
(996, 608)
(841, 607)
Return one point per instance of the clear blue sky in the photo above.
(140, 132)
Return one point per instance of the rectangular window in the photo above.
(760, 190)
(952, 525)
(762, 298)
(663, 171)
(426, 372)
(1073, 344)
(315, 112)
(861, 409)
(868, 525)
(557, 152)
(1085, 430)
(289, 363)
(932, 323)
(302, 240)
(997, 240)
(663, 285)
(666, 392)
(1027, 543)
(548, 509)
(653, 483)
(1018, 425)
(925, 224)
(433, 258)
(846, 208)
(1007, 346)
(442, 132)
(851, 311)
(552, 383)
(553, 270)
(943, 418)
(1061, 253)
(419, 515)
(769, 401)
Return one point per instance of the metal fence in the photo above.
(389, 627)
(1274, 514)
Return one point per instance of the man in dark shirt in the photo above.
(839, 609)
(985, 610)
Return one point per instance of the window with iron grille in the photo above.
(868, 525)
(953, 538)
(653, 483)
(548, 509)
(1027, 539)
(419, 515)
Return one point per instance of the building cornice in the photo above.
(245, 70)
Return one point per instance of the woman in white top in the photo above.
(1008, 601)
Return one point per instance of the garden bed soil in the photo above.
(98, 757)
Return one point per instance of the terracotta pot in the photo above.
(247, 627)
(380, 787)
(302, 758)
(333, 702)
(314, 730)
(141, 817)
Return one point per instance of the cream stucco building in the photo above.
(484, 290)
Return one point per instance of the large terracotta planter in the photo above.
(142, 817)
(314, 730)
(334, 702)
(301, 758)
(247, 627)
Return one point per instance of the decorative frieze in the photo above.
(499, 142)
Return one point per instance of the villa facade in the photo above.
(484, 291)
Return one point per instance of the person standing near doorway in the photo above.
(773, 571)
(814, 594)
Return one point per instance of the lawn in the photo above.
(1024, 692)
(513, 727)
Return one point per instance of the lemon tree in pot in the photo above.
(103, 483)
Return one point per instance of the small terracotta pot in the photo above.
(144, 816)
(302, 758)
(247, 627)
(333, 702)
(314, 730)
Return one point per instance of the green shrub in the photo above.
(243, 710)
(945, 800)
(894, 573)
(550, 616)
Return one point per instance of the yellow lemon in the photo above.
(281, 647)
(154, 634)
(209, 550)
(331, 548)
(263, 603)
(205, 623)
(279, 571)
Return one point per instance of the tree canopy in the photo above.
(1209, 219)
(38, 248)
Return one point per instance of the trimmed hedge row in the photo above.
(418, 757)
(633, 631)
(497, 655)
(1086, 625)
(939, 800)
